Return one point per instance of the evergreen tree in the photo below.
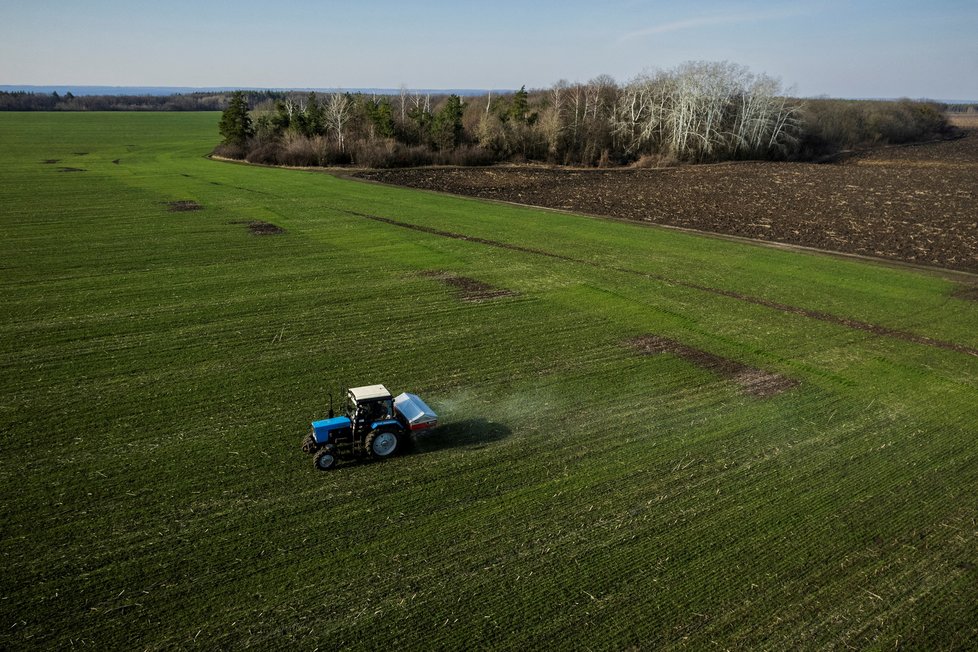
(281, 121)
(383, 118)
(314, 123)
(520, 106)
(447, 130)
(422, 120)
(235, 122)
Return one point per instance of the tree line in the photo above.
(697, 112)
(28, 101)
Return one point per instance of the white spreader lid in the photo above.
(414, 409)
(369, 392)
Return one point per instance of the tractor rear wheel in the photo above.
(325, 458)
(382, 444)
(309, 444)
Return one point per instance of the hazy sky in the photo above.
(871, 48)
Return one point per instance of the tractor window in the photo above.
(379, 410)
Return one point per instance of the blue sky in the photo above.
(866, 48)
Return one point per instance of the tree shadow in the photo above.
(469, 433)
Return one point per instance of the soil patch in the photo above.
(469, 289)
(257, 227)
(915, 204)
(80, 153)
(183, 205)
(51, 161)
(967, 292)
(116, 160)
(66, 169)
(752, 381)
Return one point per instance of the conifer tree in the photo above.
(447, 131)
(314, 121)
(520, 106)
(235, 123)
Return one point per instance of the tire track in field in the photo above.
(875, 329)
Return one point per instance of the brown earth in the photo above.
(469, 289)
(968, 292)
(917, 204)
(183, 205)
(752, 381)
(67, 169)
(51, 161)
(257, 227)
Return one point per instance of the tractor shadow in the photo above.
(470, 433)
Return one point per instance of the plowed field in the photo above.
(916, 204)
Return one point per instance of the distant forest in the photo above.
(27, 101)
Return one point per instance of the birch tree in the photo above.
(338, 113)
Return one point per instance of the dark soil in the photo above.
(80, 153)
(51, 161)
(752, 381)
(66, 169)
(183, 205)
(967, 292)
(876, 329)
(257, 227)
(469, 289)
(917, 204)
(116, 160)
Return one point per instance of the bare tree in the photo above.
(704, 111)
(338, 112)
(404, 95)
(553, 121)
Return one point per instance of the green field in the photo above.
(160, 368)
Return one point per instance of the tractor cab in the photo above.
(368, 406)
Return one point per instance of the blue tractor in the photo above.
(376, 425)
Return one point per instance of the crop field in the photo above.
(650, 439)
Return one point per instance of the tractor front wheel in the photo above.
(325, 458)
(382, 444)
(309, 444)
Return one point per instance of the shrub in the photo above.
(390, 154)
(228, 150)
(266, 154)
(831, 126)
(655, 161)
(298, 151)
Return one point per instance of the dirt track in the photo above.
(916, 204)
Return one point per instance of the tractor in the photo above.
(376, 425)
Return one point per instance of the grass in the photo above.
(159, 369)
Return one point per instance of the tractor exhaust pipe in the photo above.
(331, 415)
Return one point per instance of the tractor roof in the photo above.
(369, 393)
